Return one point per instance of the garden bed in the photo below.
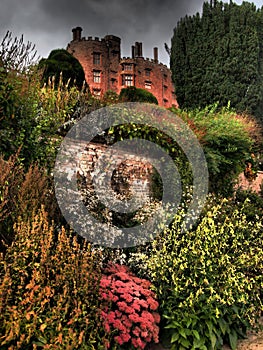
(254, 341)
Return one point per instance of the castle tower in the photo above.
(77, 33)
(105, 69)
(99, 58)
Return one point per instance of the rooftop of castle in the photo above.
(136, 49)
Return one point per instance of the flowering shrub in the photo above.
(208, 280)
(129, 309)
(49, 290)
(22, 192)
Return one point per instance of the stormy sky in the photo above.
(48, 23)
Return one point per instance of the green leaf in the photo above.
(172, 325)
(209, 326)
(188, 323)
(222, 325)
(196, 334)
(175, 337)
(198, 343)
(182, 332)
(42, 339)
(233, 340)
(185, 343)
(213, 340)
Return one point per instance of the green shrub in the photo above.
(208, 281)
(251, 203)
(61, 62)
(227, 139)
(31, 114)
(109, 97)
(133, 94)
(49, 291)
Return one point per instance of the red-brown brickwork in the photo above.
(106, 70)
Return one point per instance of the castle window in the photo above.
(113, 81)
(165, 77)
(96, 76)
(148, 85)
(115, 52)
(96, 58)
(127, 80)
(127, 66)
(147, 72)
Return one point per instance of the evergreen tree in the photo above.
(218, 57)
(62, 62)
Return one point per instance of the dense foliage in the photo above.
(218, 57)
(209, 280)
(32, 114)
(133, 94)
(22, 192)
(227, 139)
(61, 62)
(49, 290)
(199, 288)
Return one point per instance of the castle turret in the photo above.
(77, 33)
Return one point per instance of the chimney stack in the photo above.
(77, 33)
(155, 54)
(136, 51)
(140, 50)
(133, 51)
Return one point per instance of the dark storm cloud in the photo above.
(48, 23)
(118, 15)
(149, 21)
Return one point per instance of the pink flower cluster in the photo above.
(129, 307)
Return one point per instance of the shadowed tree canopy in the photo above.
(62, 62)
(218, 57)
(133, 94)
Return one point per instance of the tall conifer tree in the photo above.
(218, 57)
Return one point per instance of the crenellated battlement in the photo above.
(77, 36)
(105, 69)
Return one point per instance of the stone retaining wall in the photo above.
(130, 173)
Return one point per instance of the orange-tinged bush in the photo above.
(22, 193)
(49, 290)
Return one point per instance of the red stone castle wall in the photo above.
(106, 70)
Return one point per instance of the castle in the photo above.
(105, 69)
